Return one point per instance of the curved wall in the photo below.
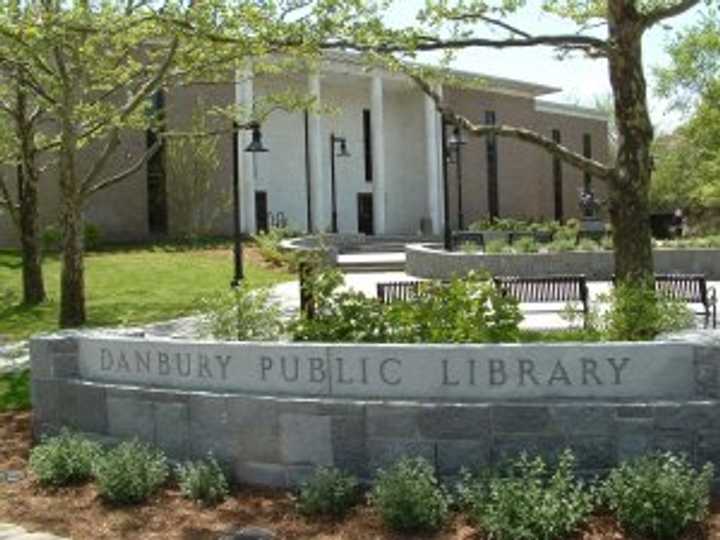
(430, 261)
(273, 412)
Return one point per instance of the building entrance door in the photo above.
(261, 211)
(365, 214)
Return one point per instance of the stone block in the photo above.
(707, 372)
(593, 452)
(708, 449)
(383, 453)
(454, 455)
(83, 406)
(65, 366)
(349, 445)
(509, 447)
(675, 442)
(210, 427)
(129, 417)
(65, 345)
(632, 445)
(172, 429)
(306, 439)
(45, 397)
(40, 359)
(261, 474)
(454, 422)
(254, 423)
(634, 411)
(521, 419)
(685, 416)
(586, 419)
(390, 420)
(297, 475)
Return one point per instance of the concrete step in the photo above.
(372, 262)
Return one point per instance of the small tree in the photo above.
(192, 161)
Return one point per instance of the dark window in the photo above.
(365, 214)
(587, 152)
(557, 178)
(261, 211)
(492, 168)
(367, 141)
(156, 177)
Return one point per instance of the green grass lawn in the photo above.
(128, 286)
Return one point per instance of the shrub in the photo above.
(329, 492)
(409, 497)
(203, 481)
(52, 237)
(64, 460)
(561, 244)
(269, 244)
(533, 501)
(130, 473)
(469, 310)
(659, 495)
(638, 312)
(525, 245)
(495, 246)
(242, 314)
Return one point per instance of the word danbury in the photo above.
(388, 371)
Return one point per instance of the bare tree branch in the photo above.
(563, 153)
(667, 12)
(89, 190)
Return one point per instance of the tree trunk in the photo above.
(27, 220)
(32, 274)
(72, 279)
(629, 201)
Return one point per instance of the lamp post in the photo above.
(457, 141)
(446, 196)
(256, 146)
(335, 141)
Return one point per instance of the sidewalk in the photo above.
(13, 532)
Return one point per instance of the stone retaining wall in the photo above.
(430, 261)
(275, 431)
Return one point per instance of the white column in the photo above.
(244, 99)
(433, 151)
(318, 182)
(377, 122)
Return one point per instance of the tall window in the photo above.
(156, 177)
(557, 178)
(367, 142)
(492, 168)
(587, 152)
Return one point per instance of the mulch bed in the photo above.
(78, 513)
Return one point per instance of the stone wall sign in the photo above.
(428, 372)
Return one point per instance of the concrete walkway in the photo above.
(9, 531)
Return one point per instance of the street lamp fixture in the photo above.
(456, 142)
(335, 142)
(256, 146)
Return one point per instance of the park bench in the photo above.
(397, 291)
(567, 289)
(690, 289)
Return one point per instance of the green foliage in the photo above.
(468, 310)
(192, 161)
(269, 245)
(638, 313)
(659, 495)
(243, 313)
(203, 481)
(525, 245)
(130, 473)
(52, 238)
(409, 497)
(330, 492)
(495, 246)
(532, 501)
(561, 244)
(64, 460)
(15, 391)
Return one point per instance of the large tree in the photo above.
(92, 67)
(609, 29)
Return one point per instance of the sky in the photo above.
(582, 80)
